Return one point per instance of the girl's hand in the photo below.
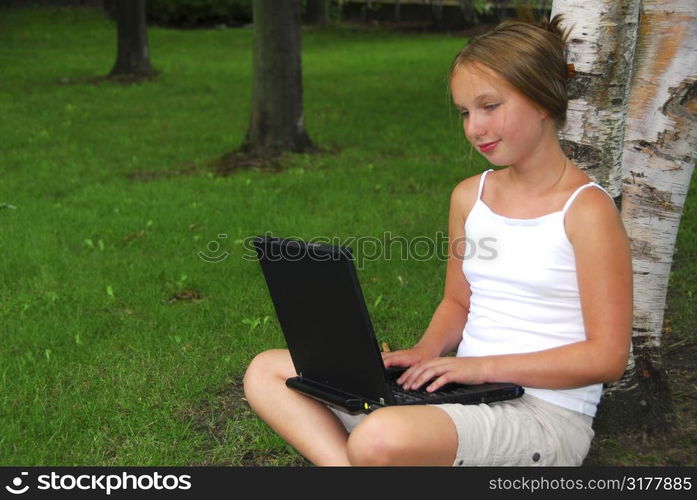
(441, 371)
(407, 357)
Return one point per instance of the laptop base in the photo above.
(451, 393)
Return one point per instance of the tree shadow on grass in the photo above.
(244, 159)
(234, 162)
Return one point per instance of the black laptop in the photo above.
(321, 310)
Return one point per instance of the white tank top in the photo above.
(522, 273)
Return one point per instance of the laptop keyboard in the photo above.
(413, 395)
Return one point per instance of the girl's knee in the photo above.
(266, 367)
(377, 440)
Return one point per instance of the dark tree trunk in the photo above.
(317, 12)
(436, 13)
(276, 123)
(133, 59)
(469, 13)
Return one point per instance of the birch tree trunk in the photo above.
(601, 48)
(632, 127)
(659, 154)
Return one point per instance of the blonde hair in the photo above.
(530, 57)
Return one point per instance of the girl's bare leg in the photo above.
(404, 435)
(307, 425)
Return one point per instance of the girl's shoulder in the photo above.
(465, 193)
(583, 191)
(591, 211)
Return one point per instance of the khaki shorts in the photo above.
(524, 431)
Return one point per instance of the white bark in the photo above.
(644, 136)
(659, 153)
(601, 48)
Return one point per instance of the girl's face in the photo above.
(504, 126)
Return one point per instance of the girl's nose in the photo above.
(474, 128)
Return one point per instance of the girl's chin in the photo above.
(496, 161)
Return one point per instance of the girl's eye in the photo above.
(464, 114)
(491, 107)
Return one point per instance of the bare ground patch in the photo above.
(675, 447)
(226, 408)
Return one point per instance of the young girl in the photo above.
(551, 312)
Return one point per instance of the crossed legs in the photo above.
(406, 435)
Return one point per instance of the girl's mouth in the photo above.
(487, 147)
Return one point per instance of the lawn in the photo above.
(129, 304)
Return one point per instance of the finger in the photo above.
(439, 382)
(405, 375)
(395, 359)
(391, 355)
(422, 373)
(410, 373)
(391, 361)
(431, 371)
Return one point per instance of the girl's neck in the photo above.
(539, 173)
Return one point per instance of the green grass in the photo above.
(98, 366)
(681, 306)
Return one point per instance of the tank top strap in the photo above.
(481, 183)
(578, 190)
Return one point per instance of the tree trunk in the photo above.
(276, 123)
(659, 154)
(631, 125)
(601, 48)
(317, 12)
(469, 12)
(132, 60)
(436, 13)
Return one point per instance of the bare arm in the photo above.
(603, 263)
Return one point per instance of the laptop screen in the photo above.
(321, 310)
